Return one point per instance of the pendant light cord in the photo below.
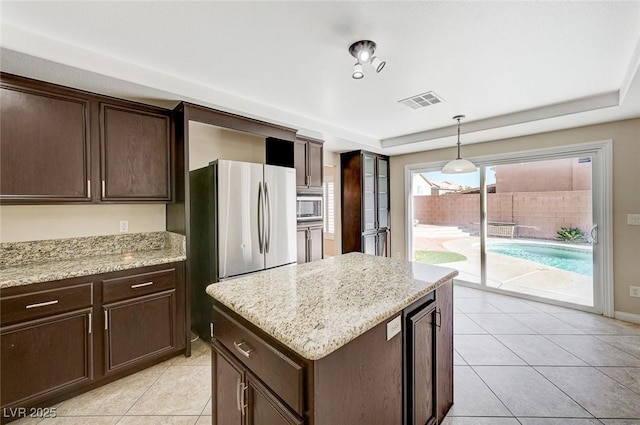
(458, 139)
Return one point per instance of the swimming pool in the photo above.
(570, 259)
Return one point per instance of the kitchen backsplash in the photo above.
(17, 253)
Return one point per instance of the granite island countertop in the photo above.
(25, 263)
(316, 308)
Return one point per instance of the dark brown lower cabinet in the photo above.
(61, 338)
(47, 356)
(241, 398)
(139, 328)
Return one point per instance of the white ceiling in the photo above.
(512, 67)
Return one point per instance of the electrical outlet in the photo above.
(394, 327)
(124, 226)
(633, 219)
(634, 291)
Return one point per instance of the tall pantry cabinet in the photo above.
(365, 203)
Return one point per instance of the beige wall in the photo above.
(20, 223)
(626, 192)
(208, 143)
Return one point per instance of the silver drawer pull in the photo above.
(239, 345)
(140, 285)
(42, 304)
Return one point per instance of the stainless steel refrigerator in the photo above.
(242, 220)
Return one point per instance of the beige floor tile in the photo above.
(545, 324)
(594, 351)
(200, 355)
(594, 324)
(538, 350)
(82, 420)
(470, 420)
(115, 398)
(472, 397)
(484, 350)
(181, 390)
(621, 421)
(207, 409)
(558, 421)
(500, 324)
(600, 395)
(627, 376)
(463, 325)
(474, 305)
(628, 344)
(527, 393)
(204, 420)
(458, 360)
(157, 420)
(508, 304)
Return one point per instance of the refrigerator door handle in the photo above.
(260, 220)
(268, 224)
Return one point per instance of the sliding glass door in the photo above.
(524, 224)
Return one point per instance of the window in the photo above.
(329, 210)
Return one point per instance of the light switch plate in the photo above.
(633, 219)
(124, 226)
(634, 291)
(394, 327)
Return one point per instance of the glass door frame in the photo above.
(601, 153)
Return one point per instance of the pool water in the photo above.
(573, 260)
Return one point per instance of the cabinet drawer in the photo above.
(138, 284)
(38, 304)
(275, 369)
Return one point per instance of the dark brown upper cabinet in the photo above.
(44, 139)
(365, 202)
(135, 147)
(61, 145)
(307, 157)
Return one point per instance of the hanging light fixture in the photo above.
(363, 51)
(459, 165)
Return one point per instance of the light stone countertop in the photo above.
(66, 258)
(316, 308)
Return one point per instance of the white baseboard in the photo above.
(629, 317)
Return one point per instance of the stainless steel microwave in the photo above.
(309, 207)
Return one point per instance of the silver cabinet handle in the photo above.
(140, 285)
(106, 320)
(438, 318)
(104, 190)
(260, 221)
(88, 188)
(90, 323)
(46, 303)
(242, 398)
(239, 345)
(238, 389)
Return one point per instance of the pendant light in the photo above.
(459, 165)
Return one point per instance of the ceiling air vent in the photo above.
(422, 100)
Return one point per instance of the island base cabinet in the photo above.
(239, 398)
(444, 349)
(43, 357)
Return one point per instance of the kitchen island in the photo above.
(354, 339)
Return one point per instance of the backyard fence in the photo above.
(533, 214)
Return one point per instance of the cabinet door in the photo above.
(264, 408)
(44, 140)
(136, 154)
(382, 168)
(227, 383)
(316, 243)
(444, 346)
(301, 241)
(300, 162)
(47, 356)
(139, 328)
(368, 194)
(314, 157)
(421, 385)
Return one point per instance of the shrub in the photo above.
(571, 234)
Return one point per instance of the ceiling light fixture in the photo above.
(459, 165)
(363, 51)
